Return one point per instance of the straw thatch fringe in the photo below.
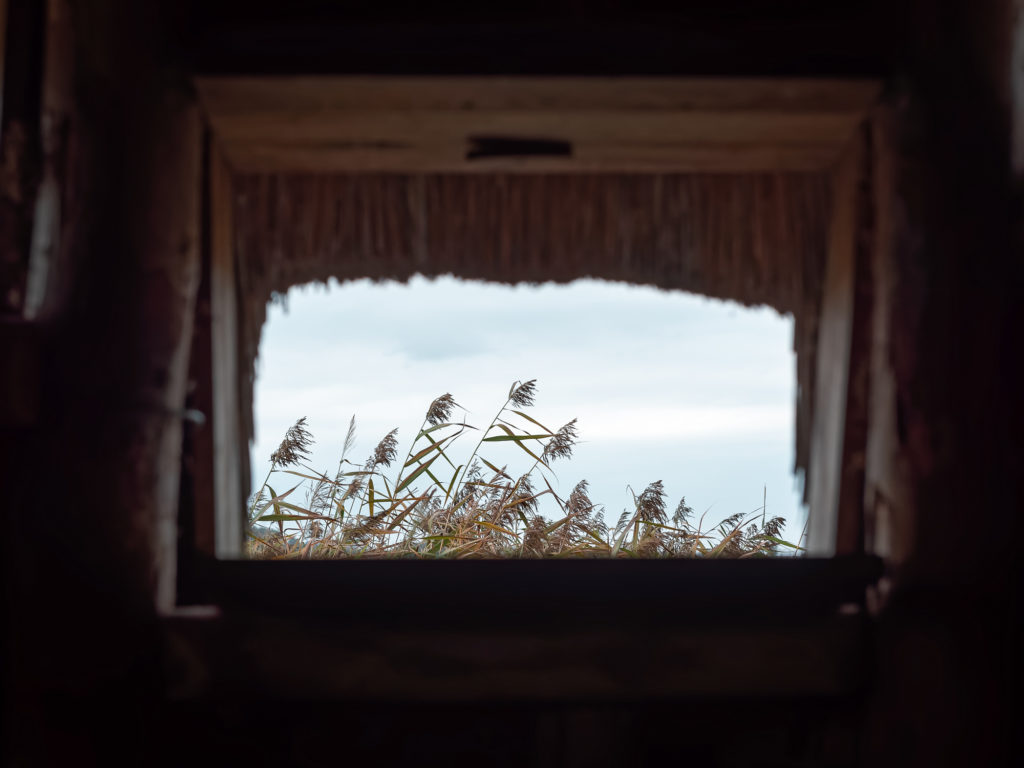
(755, 239)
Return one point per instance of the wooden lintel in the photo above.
(410, 125)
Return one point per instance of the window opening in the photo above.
(676, 399)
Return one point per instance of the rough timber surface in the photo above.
(471, 630)
(607, 124)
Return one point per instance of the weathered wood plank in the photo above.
(446, 630)
(888, 521)
(47, 281)
(385, 124)
(244, 95)
(246, 656)
(471, 594)
(282, 157)
(20, 375)
(850, 512)
(835, 330)
(229, 496)
(198, 503)
(591, 126)
(21, 81)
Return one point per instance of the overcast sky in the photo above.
(664, 385)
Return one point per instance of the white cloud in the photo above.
(687, 424)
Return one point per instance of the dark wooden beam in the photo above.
(250, 656)
(513, 630)
(567, 593)
(694, 38)
(22, 54)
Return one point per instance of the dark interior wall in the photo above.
(94, 480)
(947, 639)
(729, 37)
(88, 500)
(959, 280)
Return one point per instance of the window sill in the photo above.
(539, 630)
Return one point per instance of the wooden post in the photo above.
(835, 332)
(229, 495)
(944, 484)
(888, 524)
(22, 42)
(93, 525)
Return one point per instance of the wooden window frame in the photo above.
(729, 125)
(280, 124)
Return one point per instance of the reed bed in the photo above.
(429, 506)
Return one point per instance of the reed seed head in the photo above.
(440, 410)
(353, 489)
(535, 541)
(651, 503)
(579, 503)
(732, 521)
(682, 515)
(523, 394)
(295, 446)
(522, 498)
(773, 527)
(650, 545)
(386, 450)
(319, 497)
(560, 446)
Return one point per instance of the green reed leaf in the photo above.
(412, 476)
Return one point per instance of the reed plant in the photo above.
(430, 505)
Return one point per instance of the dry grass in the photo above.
(429, 506)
